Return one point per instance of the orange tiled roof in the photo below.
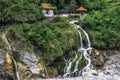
(47, 6)
(81, 9)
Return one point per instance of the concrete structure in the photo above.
(48, 9)
(64, 13)
(82, 12)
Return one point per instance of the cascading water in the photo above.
(46, 71)
(85, 52)
(11, 54)
(67, 69)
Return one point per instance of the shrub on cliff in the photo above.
(50, 39)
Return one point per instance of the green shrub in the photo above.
(15, 11)
(51, 40)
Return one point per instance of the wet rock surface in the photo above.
(110, 71)
(4, 75)
(20, 45)
(30, 60)
(2, 58)
(112, 66)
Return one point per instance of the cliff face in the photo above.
(38, 48)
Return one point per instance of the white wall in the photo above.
(48, 13)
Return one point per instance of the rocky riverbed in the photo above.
(110, 71)
(31, 69)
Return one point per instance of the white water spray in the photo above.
(67, 69)
(46, 71)
(85, 52)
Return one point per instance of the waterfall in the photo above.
(67, 69)
(46, 72)
(11, 54)
(84, 53)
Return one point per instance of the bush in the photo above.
(14, 11)
(51, 40)
(103, 28)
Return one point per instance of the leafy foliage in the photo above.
(12, 11)
(104, 26)
(50, 39)
(54, 39)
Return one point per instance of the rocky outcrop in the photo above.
(19, 45)
(99, 57)
(4, 75)
(2, 58)
(110, 71)
(31, 67)
(112, 66)
(30, 60)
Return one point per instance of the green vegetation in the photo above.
(103, 25)
(16, 11)
(27, 23)
(102, 22)
(51, 40)
(54, 38)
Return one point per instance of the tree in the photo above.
(102, 24)
(72, 6)
(20, 11)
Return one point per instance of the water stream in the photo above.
(85, 52)
(46, 72)
(11, 54)
(110, 71)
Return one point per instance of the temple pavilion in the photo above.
(82, 11)
(48, 9)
